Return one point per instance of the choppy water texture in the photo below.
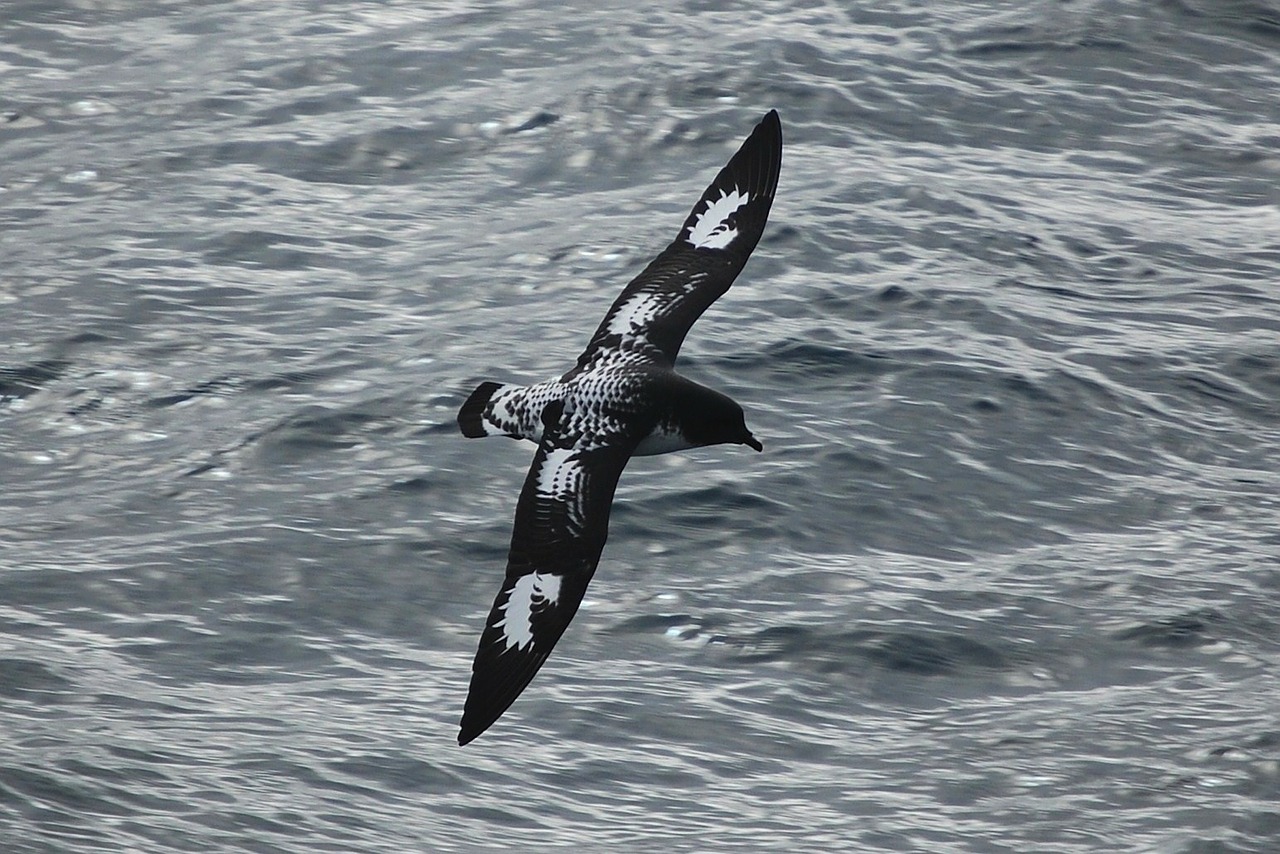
(1004, 580)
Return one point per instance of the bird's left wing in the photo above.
(660, 305)
(562, 520)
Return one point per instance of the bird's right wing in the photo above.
(562, 521)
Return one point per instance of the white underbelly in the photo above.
(662, 440)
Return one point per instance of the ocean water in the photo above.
(1004, 580)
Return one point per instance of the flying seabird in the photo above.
(623, 398)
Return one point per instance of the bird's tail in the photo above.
(471, 415)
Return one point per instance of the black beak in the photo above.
(751, 441)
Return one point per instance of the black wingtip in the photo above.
(768, 132)
(756, 164)
(474, 723)
(731, 215)
(764, 145)
(482, 709)
(476, 720)
(471, 415)
(471, 726)
(495, 685)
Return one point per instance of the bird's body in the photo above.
(623, 398)
(609, 401)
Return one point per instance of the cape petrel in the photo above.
(621, 399)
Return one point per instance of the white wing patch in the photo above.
(528, 591)
(712, 230)
(635, 313)
(558, 477)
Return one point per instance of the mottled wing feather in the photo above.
(562, 521)
(661, 304)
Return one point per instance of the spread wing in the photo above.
(562, 520)
(662, 303)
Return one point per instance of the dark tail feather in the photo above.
(471, 415)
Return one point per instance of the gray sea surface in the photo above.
(1005, 578)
